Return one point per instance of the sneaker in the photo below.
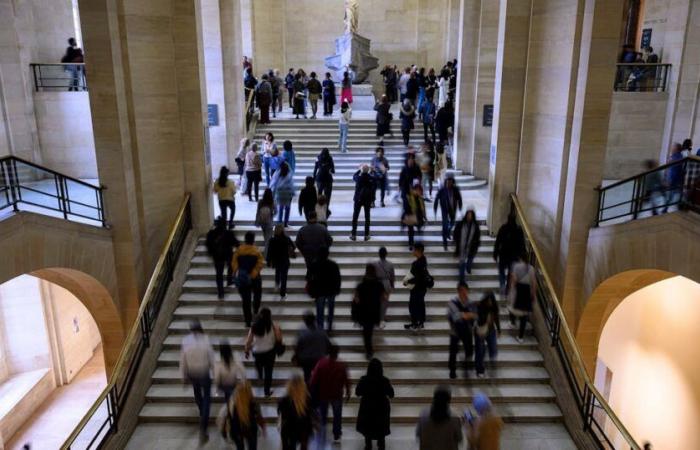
(367, 237)
(352, 237)
(336, 440)
(383, 205)
(453, 374)
(481, 375)
(409, 326)
(519, 339)
(283, 298)
(382, 325)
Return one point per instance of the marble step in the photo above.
(208, 273)
(380, 229)
(393, 244)
(398, 376)
(409, 341)
(406, 413)
(514, 393)
(401, 359)
(445, 288)
(398, 302)
(480, 263)
(515, 436)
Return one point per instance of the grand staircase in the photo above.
(517, 382)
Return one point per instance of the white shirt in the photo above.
(196, 356)
(345, 117)
(442, 93)
(264, 343)
(228, 376)
(403, 81)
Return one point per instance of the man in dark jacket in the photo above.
(444, 120)
(419, 282)
(312, 239)
(409, 173)
(312, 345)
(364, 195)
(250, 83)
(467, 242)
(449, 200)
(289, 84)
(323, 282)
(461, 314)
(220, 245)
(510, 244)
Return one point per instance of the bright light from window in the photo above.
(76, 24)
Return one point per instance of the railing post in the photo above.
(600, 204)
(61, 195)
(635, 198)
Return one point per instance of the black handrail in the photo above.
(59, 76)
(604, 428)
(655, 191)
(102, 418)
(642, 77)
(24, 182)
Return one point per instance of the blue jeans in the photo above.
(421, 97)
(343, 140)
(320, 310)
(266, 168)
(337, 408)
(447, 223)
(482, 343)
(283, 213)
(202, 397)
(465, 267)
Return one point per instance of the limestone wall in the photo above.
(635, 132)
(667, 242)
(301, 33)
(65, 133)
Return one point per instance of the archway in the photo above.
(605, 298)
(98, 302)
(647, 366)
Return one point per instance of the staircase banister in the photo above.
(121, 366)
(51, 171)
(577, 360)
(647, 172)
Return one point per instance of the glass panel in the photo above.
(94, 431)
(82, 200)
(616, 202)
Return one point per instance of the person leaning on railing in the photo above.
(74, 54)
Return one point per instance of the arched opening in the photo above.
(52, 365)
(645, 361)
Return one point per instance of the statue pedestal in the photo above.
(352, 50)
(362, 97)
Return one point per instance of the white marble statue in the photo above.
(352, 13)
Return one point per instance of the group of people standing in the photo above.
(301, 88)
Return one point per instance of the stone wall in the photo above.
(403, 32)
(635, 132)
(65, 133)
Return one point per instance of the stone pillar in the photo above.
(233, 75)
(147, 101)
(596, 72)
(116, 164)
(467, 59)
(550, 87)
(485, 75)
(18, 130)
(509, 95)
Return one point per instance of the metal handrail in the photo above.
(138, 335)
(685, 194)
(13, 186)
(248, 109)
(562, 327)
(42, 80)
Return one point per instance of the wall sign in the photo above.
(487, 121)
(646, 38)
(213, 115)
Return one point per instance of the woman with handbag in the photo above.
(374, 416)
(467, 238)
(296, 415)
(486, 330)
(522, 293)
(280, 249)
(407, 114)
(228, 372)
(367, 306)
(253, 169)
(266, 343)
(413, 213)
(383, 119)
(240, 162)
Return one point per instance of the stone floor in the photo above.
(63, 409)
